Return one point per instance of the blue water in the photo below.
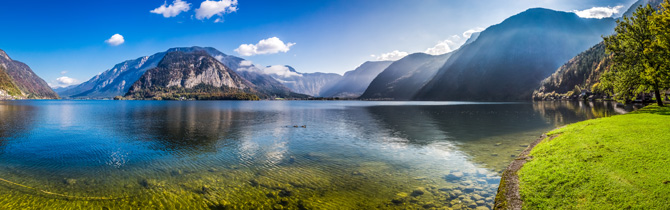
(110, 148)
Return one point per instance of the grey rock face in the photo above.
(187, 70)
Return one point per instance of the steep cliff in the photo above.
(16, 75)
(191, 75)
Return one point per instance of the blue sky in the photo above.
(68, 38)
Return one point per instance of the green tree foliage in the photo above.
(660, 26)
(638, 63)
(7, 85)
(199, 92)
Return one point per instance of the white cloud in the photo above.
(246, 63)
(280, 70)
(391, 56)
(452, 43)
(116, 40)
(446, 46)
(63, 72)
(442, 47)
(210, 8)
(64, 82)
(467, 34)
(599, 12)
(266, 46)
(219, 58)
(172, 10)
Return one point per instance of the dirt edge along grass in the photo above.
(611, 163)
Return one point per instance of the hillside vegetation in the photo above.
(580, 73)
(8, 86)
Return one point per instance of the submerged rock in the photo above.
(398, 201)
(429, 205)
(253, 183)
(69, 181)
(206, 190)
(285, 193)
(176, 172)
(417, 192)
(149, 183)
(477, 197)
(454, 176)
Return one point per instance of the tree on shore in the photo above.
(640, 61)
(661, 27)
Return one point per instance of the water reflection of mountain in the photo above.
(187, 127)
(490, 134)
(561, 113)
(17, 119)
(461, 123)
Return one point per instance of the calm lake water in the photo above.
(258, 155)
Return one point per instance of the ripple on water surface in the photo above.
(250, 155)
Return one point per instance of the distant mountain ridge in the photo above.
(306, 83)
(118, 80)
(509, 60)
(632, 8)
(18, 81)
(403, 78)
(355, 82)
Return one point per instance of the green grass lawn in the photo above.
(619, 162)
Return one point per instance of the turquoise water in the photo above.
(266, 154)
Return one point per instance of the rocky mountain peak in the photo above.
(194, 75)
(4, 55)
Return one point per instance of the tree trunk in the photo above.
(659, 100)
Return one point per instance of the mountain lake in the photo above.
(267, 154)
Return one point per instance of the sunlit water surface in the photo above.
(258, 155)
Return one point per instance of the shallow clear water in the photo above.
(258, 155)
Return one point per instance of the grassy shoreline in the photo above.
(619, 162)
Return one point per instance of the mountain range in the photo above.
(516, 59)
(354, 82)
(509, 60)
(583, 71)
(118, 80)
(403, 78)
(18, 81)
(305, 83)
(191, 75)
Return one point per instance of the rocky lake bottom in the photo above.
(267, 154)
